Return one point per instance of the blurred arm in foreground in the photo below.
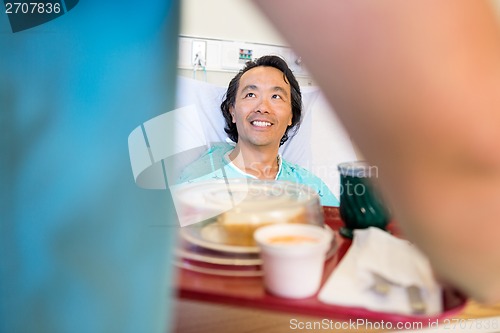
(416, 83)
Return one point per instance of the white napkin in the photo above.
(398, 261)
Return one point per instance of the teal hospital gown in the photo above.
(215, 164)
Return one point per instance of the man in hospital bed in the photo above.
(262, 107)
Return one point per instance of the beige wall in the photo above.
(237, 20)
(234, 20)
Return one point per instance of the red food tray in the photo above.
(250, 292)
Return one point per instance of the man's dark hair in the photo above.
(230, 97)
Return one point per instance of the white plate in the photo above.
(221, 270)
(187, 250)
(209, 235)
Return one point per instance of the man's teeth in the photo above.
(261, 123)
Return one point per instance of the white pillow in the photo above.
(206, 98)
(330, 146)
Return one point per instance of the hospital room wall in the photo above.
(228, 20)
(237, 20)
(233, 20)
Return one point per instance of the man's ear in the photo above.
(231, 111)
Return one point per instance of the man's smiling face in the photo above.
(262, 109)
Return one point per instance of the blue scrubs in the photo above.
(82, 248)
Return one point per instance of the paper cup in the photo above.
(293, 258)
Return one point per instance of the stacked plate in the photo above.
(201, 248)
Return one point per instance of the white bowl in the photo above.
(293, 258)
